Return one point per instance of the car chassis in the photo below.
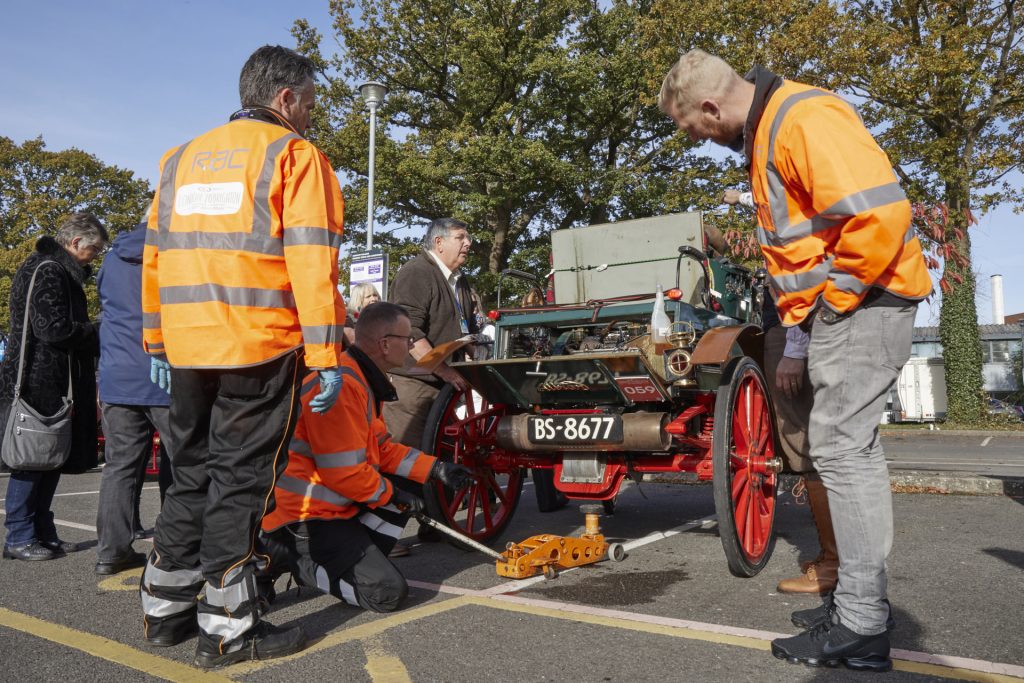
(581, 390)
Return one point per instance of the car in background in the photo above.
(999, 407)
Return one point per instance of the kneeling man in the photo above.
(338, 512)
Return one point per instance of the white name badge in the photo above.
(209, 199)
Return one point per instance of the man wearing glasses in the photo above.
(338, 513)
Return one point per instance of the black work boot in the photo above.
(262, 641)
(830, 644)
(809, 618)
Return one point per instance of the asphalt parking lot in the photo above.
(670, 611)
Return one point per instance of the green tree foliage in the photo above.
(519, 117)
(942, 84)
(38, 188)
(939, 82)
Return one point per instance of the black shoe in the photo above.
(30, 552)
(833, 644)
(172, 630)
(809, 618)
(262, 641)
(119, 564)
(60, 547)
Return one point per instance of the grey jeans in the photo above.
(128, 431)
(853, 362)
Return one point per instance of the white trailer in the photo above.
(921, 390)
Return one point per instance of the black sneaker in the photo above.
(262, 641)
(833, 644)
(809, 618)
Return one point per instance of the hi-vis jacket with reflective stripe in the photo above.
(833, 220)
(241, 257)
(335, 460)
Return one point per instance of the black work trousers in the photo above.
(230, 430)
(347, 558)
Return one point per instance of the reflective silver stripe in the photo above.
(155, 347)
(165, 207)
(846, 282)
(323, 582)
(862, 201)
(225, 627)
(381, 489)
(232, 296)
(348, 592)
(178, 577)
(776, 189)
(796, 232)
(153, 606)
(383, 437)
(152, 238)
(228, 241)
(310, 490)
(261, 193)
(340, 459)
(323, 334)
(231, 597)
(151, 321)
(300, 447)
(910, 234)
(404, 468)
(375, 523)
(798, 282)
(321, 237)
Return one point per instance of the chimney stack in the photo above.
(997, 300)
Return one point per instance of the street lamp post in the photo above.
(373, 94)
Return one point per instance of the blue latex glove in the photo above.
(160, 372)
(330, 387)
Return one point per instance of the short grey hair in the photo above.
(84, 225)
(271, 69)
(695, 77)
(441, 227)
(375, 319)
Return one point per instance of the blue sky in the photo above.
(127, 80)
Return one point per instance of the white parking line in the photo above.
(985, 442)
(87, 493)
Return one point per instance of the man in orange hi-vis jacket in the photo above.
(834, 227)
(337, 512)
(239, 297)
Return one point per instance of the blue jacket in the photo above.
(124, 366)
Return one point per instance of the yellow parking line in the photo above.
(382, 667)
(104, 648)
(361, 632)
(723, 638)
(117, 582)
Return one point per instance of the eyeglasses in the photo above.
(409, 340)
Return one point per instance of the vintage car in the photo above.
(578, 386)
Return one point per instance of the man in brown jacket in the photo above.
(439, 302)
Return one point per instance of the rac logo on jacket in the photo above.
(220, 159)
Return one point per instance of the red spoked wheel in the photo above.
(745, 468)
(462, 427)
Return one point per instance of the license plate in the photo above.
(571, 430)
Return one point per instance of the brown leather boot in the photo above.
(821, 575)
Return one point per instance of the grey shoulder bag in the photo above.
(32, 441)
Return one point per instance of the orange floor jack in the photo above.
(545, 553)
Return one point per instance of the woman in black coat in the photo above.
(59, 331)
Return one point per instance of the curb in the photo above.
(902, 481)
(939, 432)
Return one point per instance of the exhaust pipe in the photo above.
(644, 432)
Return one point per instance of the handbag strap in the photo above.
(24, 339)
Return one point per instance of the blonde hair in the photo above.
(360, 293)
(697, 76)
